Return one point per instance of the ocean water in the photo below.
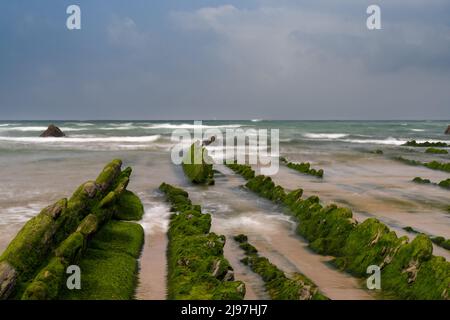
(155, 135)
(38, 171)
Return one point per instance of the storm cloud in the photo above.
(225, 60)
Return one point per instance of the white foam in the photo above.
(19, 214)
(325, 135)
(156, 216)
(36, 128)
(388, 141)
(188, 126)
(418, 130)
(81, 139)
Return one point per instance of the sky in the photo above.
(199, 60)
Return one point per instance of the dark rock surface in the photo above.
(53, 131)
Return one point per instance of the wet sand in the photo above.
(153, 268)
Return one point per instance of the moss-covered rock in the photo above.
(305, 167)
(327, 229)
(414, 273)
(444, 184)
(409, 270)
(421, 181)
(109, 266)
(58, 236)
(197, 165)
(436, 151)
(441, 242)
(265, 187)
(435, 165)
(278, 285)
(244, 170)
(130, 207)
(369, 243)
(197, 269)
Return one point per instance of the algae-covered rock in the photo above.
(58, 234)
(328, 229)
(444, 184)
(415, 273)
(305, 167)
(277, 284)
(421, 181)
(197, 165)
(265, 187)
(436, 151)
(414, 143)
(109, 265)
(244, 170)
(409, 270)
(369, 243)
(196, 264)
(130, 207)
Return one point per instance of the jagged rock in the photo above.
(90, 188)
(229, 276)
(53, 131)
(448, 130)
(8, 278)
(56, 209)
(209, 141)
(197, 165)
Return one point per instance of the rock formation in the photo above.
(34, 264)
(197, 165)
(197, 268)
(409, 268)
(53, 131)
(448, 130)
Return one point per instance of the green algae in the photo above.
(421, 181)
(434, 165)
(277, 284)
(61, 233)
(244, 170)
(197, 165)
(442, 242)
(436, 151)
(197, 268)
(414, 143)
(266, 188)
(109, 266)
(130, 207)
(409, 270)
(444, 184)
(305, 167)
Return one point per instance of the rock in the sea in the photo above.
(448, 130)
(8, 278)
(53, 131)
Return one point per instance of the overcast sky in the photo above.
(191, 59)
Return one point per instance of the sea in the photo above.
(37, 171)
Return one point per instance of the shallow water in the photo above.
(37, 172)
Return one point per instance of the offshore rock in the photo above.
(53, 131)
